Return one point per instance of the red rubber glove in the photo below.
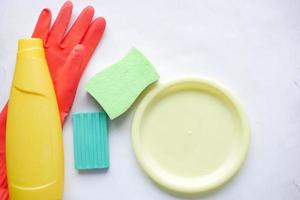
(67, 56)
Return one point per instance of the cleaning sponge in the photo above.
(90, 140)
(117, 87)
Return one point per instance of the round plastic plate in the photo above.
(190, 136)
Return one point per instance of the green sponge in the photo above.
(117, 87)
(90, 140)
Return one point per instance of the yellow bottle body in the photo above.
(34, 148)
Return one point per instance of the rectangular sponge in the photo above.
(117, 87)
(90, 138)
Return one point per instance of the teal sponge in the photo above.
(90, 138)
(117, 87)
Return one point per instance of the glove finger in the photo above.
(68, 79)
(79, 28)
(60, 25)
(92, 38)
(42, 26)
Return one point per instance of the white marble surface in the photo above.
(251, 46)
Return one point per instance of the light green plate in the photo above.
(190, 136)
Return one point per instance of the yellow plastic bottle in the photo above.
(34, 148)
